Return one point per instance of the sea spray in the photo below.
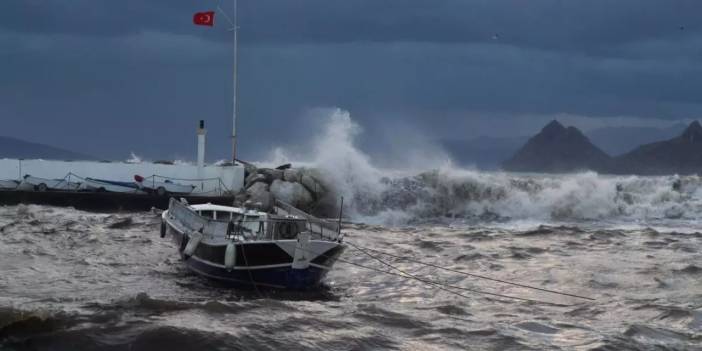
(448, 193)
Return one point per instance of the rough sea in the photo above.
(74, 280)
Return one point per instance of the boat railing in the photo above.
(324, 228)
(265, 229)
(255, 228)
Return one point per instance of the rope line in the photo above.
(255, 285)
(439, 285)
(473, 275)
(444, 286)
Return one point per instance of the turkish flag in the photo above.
(204, 18)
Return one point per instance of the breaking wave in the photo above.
(424, 192)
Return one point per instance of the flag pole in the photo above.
(235, 102)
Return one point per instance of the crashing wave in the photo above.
(420, 194)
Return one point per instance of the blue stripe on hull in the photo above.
(280, 277)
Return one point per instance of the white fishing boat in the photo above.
(43, 184)
(288, 249)
(285, 249)
(8, 184)
(100, 185)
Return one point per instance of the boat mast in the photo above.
(235, 102)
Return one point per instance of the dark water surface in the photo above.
(74, 280)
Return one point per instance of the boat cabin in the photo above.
(253, 225)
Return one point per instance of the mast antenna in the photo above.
(235, 102)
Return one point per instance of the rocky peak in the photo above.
(558, 149)
(553, 128)
(693, 133)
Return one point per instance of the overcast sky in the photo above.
(110, 77)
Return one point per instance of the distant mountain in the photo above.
(16, 148)
(483, 152)
(619, 140)
(558, 149)
(681, 155)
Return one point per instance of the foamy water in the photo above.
(83, 281)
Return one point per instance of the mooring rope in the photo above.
(409, 259)
(443, 285)
(246, 262)
(439, 285)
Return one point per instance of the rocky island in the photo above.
(560, 149)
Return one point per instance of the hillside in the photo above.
(619, 140)
(681, 155)
(16, 148)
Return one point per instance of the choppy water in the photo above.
(74, 280)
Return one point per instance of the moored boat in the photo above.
(288, 249)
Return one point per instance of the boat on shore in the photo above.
(162, 188)
(43, 184)
(8, 184)
(102, 185)
(287, 249)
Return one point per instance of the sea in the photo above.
(441, 258)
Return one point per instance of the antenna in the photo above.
(235, 103)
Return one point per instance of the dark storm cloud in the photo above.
(78, 72)
(550, 24)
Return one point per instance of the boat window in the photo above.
(247, 226)
(207, 214)
(223, 215)
(253, 225)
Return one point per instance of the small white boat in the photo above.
(43, 184)
(8, 184)
(100, 185)
(164, 188)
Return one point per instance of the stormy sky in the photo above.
(111, 77)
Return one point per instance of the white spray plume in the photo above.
(133, 158)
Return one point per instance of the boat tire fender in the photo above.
(230, 256)
(183, 243)
(193, 242)
(163, 229)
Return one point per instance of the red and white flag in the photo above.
(204, 18)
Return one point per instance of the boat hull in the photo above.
(260, 265)
(274, 278)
